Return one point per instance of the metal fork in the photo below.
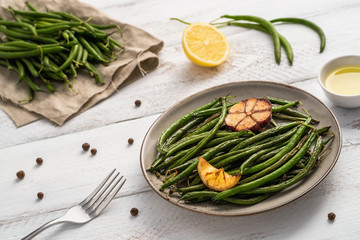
(91, 206)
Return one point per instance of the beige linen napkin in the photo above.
(139, 57)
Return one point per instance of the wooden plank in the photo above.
(251, 58)
(305, 218)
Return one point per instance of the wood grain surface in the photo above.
(68, 174)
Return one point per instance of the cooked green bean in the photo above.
(192, 167)
(269, 177)
(292, 143)
(309, 166)
(262, 135)
(176, 125)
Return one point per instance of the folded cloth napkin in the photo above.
(140, 55)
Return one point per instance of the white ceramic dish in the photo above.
(243, 90)
(346, 101)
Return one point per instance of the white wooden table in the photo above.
(68, 174)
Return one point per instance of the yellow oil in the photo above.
(344, 80)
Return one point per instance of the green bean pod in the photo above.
(176, 125)
(307, 23)
(268, 26)
(192, 167)
(283, 41)
(310, 165)
(262, 135)
(269, 177)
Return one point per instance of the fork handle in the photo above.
(43, 227)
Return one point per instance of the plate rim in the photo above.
(157, 191)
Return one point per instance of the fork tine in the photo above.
(107, 200)
(88, 198)
(100, 199)
(100, 192)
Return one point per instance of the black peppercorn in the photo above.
(40, 195)
(85, 146)
(331, 216)
(130, 140)
(39, 161)
(137, 103)
(134, 211)
(20, 174)
(93, 151)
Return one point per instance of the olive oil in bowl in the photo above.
(344, 80)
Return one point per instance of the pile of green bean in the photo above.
(277, 157)
(262, 25)
(44, 47)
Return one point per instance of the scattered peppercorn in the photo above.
(20, 174)
(134, 211)
(93, 151)
(39, 161)
(130, 140)
(40, 195)
(137, 103)
(331, 216)
(85, 146)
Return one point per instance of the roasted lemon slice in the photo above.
(216, 179)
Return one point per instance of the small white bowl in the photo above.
(346, 101)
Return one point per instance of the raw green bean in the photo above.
(84, 56)
(31, 7)
(269, 177)
(78, 56)
(74, 51)
(30, 53)
(91, 50)
(75, 19)
(11, 48)
(268, 26)
(30, 67)
(21, 69)
(103, 27)
(307, 23)
(33, 86)
(32, 14)
(10, 33)
(283, 41)
(48, 84)
(19, 24)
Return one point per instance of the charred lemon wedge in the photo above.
(216, 179)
